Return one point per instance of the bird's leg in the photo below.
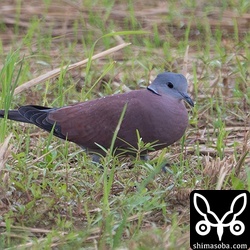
(96, 158)
(164, 167)
(144, 157)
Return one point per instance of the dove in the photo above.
(157, 112)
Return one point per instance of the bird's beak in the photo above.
(188, 99)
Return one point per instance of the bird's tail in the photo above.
(14, 115)
(37, 115)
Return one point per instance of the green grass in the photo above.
(51, 195)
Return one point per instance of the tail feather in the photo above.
(36, 115)
(14, 115)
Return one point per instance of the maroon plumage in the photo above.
(158, 113)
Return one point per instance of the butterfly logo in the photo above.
(203, 227)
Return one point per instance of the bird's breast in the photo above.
(157, 118)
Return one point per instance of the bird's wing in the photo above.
(95, 121)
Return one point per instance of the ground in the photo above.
(51, 195)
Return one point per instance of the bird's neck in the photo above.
(152, 89)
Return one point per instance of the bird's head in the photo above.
(172, 84)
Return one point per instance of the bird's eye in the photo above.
(170, 85)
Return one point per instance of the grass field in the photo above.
(51, 195)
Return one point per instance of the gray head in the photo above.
(172, 84)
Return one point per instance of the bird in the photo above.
(157, 112)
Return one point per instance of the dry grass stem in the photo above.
(4, 152)
(56, 72)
